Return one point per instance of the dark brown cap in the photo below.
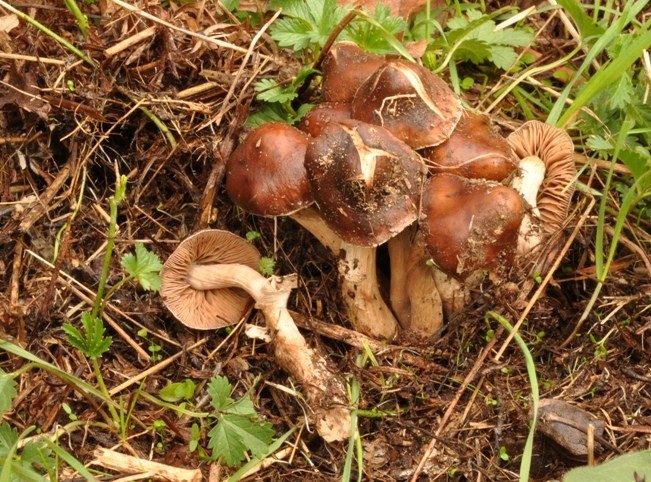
(474, 150)
(470, 225)
(365, 181)
(345, 67)
(265, 174)
(411, 102)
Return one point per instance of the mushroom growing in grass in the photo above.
(205, 268)
(467, 228)
(545, 180)
(345, 67)
(474, 150)
(367, 184)
(410, 101)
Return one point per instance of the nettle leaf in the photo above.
(235, 434)
(7, 392)
(145, 266)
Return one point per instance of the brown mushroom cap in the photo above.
(555, 148)
(206, 309)
(470, 225)
(474, 150)
(411, 102)
(345, 67)
(265, 174)
(365, 181)
(323, 114)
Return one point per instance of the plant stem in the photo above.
(103, 389)
(48, 32)
(110, 243)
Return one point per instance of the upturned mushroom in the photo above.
(545, 180)
(410, 101)
(474, 150)
(205, 268)
(367, 185)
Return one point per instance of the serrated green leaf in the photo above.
(8, 438)
(291, 33)
(598, 143)
(502, 57)
(243, 406)
(513, 37)
(91, 342)
(75, 338)
(473, 50)
(619, 469)
(269, 91)
(144, 266)
(266, 266)
(7, 392)
(219, 389)
(622, 93)
(235, 434)
(175, 392)
(268, 113)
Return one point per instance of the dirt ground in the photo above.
(67, 129)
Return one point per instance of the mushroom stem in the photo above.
(528, 181)
(358, 284)
(325, 392)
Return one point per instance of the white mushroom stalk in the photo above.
(527, 182)
(325, 391)
(358, 281)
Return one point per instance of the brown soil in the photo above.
(67, 128)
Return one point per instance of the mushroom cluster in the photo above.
(390, 156)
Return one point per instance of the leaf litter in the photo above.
(165, 106)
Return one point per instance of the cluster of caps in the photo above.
(390, 145)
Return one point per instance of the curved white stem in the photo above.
(531, 173)
(325, 391)
(359, 285)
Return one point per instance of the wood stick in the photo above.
(133, 465)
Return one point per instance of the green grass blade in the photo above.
(586, 26)
(596, 83)
(606, 76)
(40, 363)
(527, 453)
(48, 32)
(70, 460)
